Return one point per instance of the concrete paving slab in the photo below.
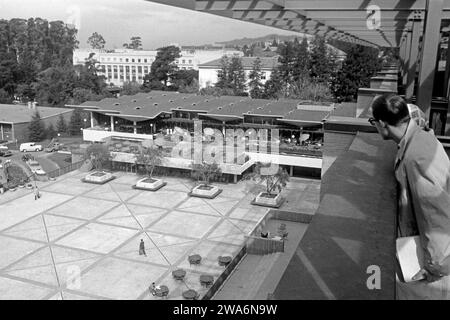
(252, 213)
(120, 216)
(146, 215)
(97, 238)
(57, 226)
(36, 267)
(70, 262)
(69, 186)
(25, 207)
(185, 224)
(120, 279)
(12, 250)
(18, 290)
(160, 198)
(131, 251)
(173, 248)
(33, 229)
(83, 208)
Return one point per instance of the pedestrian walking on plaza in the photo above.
(36, 193)
(142, 248)
(422, 170)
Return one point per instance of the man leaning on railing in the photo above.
(422, 169)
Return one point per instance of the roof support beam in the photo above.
(413, 56)
(429, 54)
(406, 66)
(354, 5)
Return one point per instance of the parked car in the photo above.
(53, 146)
(5, 153)
(35, 167)
(30, 146)
(3, 145)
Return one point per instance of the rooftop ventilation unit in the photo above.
(149, 97)
(164, 94)
(194, 104)
(259, 108)
(155, 104)
(219, 108)
(138, 108)
(134, 100)
(116, 104)
(170, 100)
(232, 104)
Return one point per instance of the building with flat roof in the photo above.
(241, 130)
(121, 65)
(14, 119)
(207, 72)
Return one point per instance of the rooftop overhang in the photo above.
(378, 23)
(301, 123)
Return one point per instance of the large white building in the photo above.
(207, 75)
(123, 65)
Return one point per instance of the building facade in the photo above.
(15, 119)
(124, 65)
(236, 131)
(207, 75)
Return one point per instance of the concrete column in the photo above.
(92, 119)
(235, 178)
(447, 72)
(1, 130)
(412, 65)
(112, 123)
(407, 58)
(430, 47)
(134, 127)
(291, 171)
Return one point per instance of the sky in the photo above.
(118, 20)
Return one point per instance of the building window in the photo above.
(139, 69)
(183, 61)
(126, 60)
(190, 61)
(263, 76)
(120, 59)
(139, 60)
(145, 60)
(127, 69)
(132, 60)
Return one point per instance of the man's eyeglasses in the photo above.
(372, 121)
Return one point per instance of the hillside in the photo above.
(267, 38)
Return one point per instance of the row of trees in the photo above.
(305, 71)
(36, 64)
(37, 131)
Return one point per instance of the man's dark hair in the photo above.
(390, 108)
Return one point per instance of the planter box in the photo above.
(149, 184)
(202, 191)
(265, 200)
(98, 177)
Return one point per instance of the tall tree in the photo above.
(320, 64)
(255, 85)
(273, 87)
(237, 76)
(287, 52)
(96, 41)
(51, 133)
(164, 66)
(135, 43)
(150, 158)
(360, 64)
(61, 125)
(301, 60)
(223, 78)
(76, 123)
(36, 129)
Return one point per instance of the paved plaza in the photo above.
(94, 231)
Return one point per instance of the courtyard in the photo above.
(81, 241)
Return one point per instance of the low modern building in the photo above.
(235, 131)
(14, 119)
(122, 65)
(208, 71)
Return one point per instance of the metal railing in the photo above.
(66, 169)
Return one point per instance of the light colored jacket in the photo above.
(422, 169)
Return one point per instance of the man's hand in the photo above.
(423, 274)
